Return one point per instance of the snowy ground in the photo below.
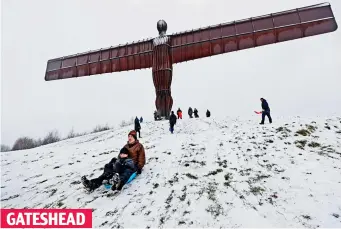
(210, 173)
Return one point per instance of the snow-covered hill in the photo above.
(210, 173)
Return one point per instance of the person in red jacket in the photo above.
(179, 113)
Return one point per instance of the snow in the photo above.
(209, 173)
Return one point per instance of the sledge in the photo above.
(258, 112)
(132, 177)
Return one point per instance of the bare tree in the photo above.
(5, 148)
(24, 143)
(51, 137)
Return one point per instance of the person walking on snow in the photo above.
(155, 115)
(265, 111)
(179, 113)
(196, 113)
(137, 126)
(141, 119)
(208, 113)
(130, 159)
(190, 112)
(172, 122)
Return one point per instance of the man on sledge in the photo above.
(130, 159)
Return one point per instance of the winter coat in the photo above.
(265, 105)
(196, 113)
(190, 111)
(125, 167)
(172, 120)
(137, 124)
(208, 113)
(179, 113)
(137, 154)
(141, 120)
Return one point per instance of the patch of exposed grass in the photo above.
(245, 172)
(215, 210)
(156, 185)
(60, 204)
(191, 176)
(301, 143)
(311, 128)
(259, 177)
(257, 190)
(306, 217)
(314, 144)
(282, 129)
(228, 176)
(336, 215)
(303, 132)
(215, 172)
(211, 191)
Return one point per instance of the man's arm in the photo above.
(141, 159)
(130, 165)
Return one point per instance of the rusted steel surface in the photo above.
(253, 32)
(200, 43)
(162, 75)
(162, 52)
(115, 59)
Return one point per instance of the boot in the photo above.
(87, 184)
(114, 180)
(117, 186)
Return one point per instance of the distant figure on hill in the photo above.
(172, 122)
(208, 113)
(141, 120)
(196, 113)
(179, 113)
(137, 126)
(265, 111)
(157, 116)
(190, 112)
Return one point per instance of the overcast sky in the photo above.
(300, 77)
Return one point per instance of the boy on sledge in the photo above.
(131, 159)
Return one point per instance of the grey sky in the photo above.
(300, 77)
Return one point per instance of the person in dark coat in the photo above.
(190, 112)
(125, 167)
(141, 119)
(196, 113)
(266, 111)
(172, 122)
(155, 115)
(137, 126)
(208, 113)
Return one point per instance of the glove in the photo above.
(139, 171)
(113, 160)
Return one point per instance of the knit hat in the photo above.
(124, 151)
(133, 133)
